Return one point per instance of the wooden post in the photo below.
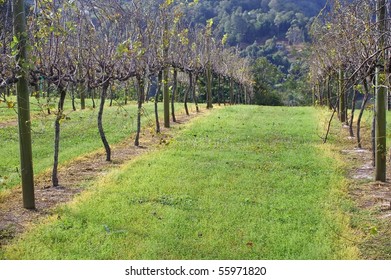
(381, 100)
(23, 99)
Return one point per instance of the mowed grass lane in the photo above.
(243, 182)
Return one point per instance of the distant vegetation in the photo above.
(274, 29)
(251, 21)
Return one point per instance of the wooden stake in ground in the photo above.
(342, 99)
(23, 101)
(381, 95)
(166, 93)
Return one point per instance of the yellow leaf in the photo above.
(225, 38)
(10, 104)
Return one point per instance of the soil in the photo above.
(5, 124)
(373, 198)
(368, 193)
(73, 178)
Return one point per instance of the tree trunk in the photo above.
(81, 86)
(245, 94)
(329, 104)
(346, 107)
(140, 87)
(100, 116)
(147, 88)
(320, 93)
(73, 97)
(126, 93)
(341, 92)
(111, 97)
(223, 92)
(188, 92)
(389, 101)
(89, 92)
(219, 91)
(209, 104)
(48, 99)
(174, 93)
(231, 91)
(166, 99)
(366, 97)
(23, 100)
(373, 138)
(93, 98)
(352, 114)
(82, 96)
(194, 93)
(57, 127)
(158, 93)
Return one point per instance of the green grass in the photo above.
(79, 135)
(368, 221)
(242, 182)
(38, 107)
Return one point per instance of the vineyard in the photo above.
(130, 130)
(79, 48)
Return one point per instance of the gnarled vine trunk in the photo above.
(352, 114)
(194, 93)
(174, 93)
(140, 90)
(57, 130)
(188, 92)
(364, 103)
(102, 134)
(157, 95)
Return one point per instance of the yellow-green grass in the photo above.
(369, 221)
(38, 107)
(79, 135)
(243, 182)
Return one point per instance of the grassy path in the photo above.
(242, 183)
(75, 176)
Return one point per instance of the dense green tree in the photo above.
(266, 77)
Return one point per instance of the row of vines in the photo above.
(84, 47)
(351, 64)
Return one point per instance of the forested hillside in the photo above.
(258, 20)
(273, 34)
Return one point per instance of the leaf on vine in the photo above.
(11, 104)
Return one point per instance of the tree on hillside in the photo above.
(266, 76)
